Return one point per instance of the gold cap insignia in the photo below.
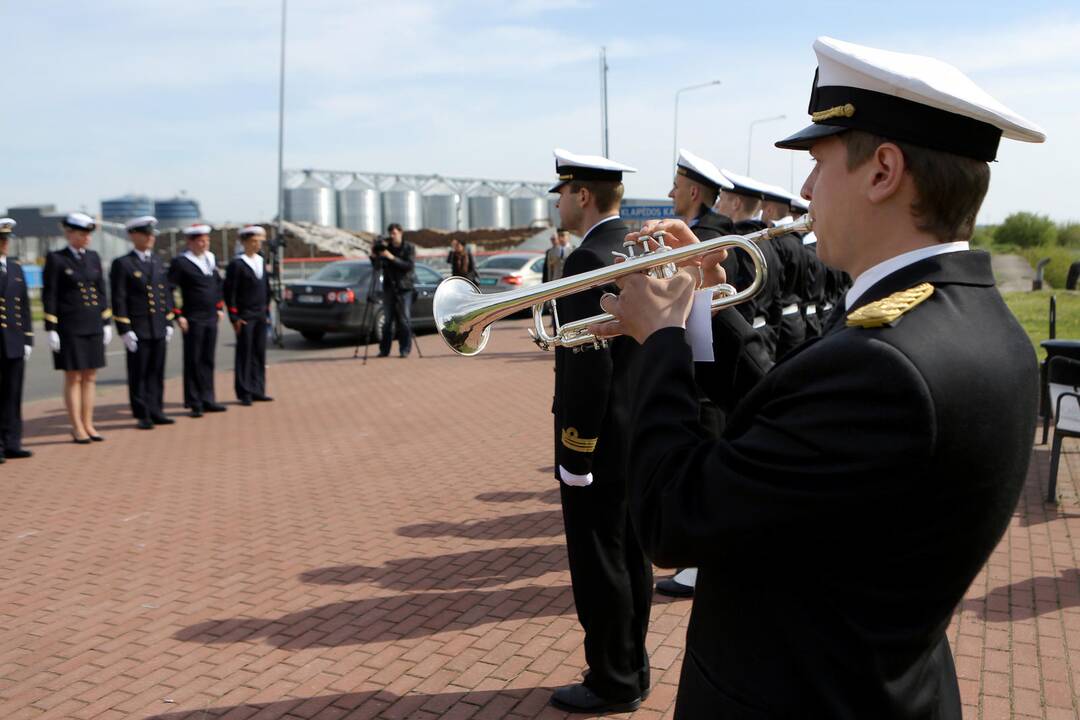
(845, 111)
(566, 176)
(138, 273)
(69, 271)
(571, 441)
(887, 310)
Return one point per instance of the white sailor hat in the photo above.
(701, 171)
(7, 226)
(197, 230)
(249, 230)
(777, 194)
(742, 185)
(144, 224)
(910, 98)
(798, 204)
(79, 221)
(571, 166)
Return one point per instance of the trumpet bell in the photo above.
(463, 336)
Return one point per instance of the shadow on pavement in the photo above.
(527, 702)
(544, 523)
(115, 416)
(398, 617)
(1028, 598)
(473, 569)
(549, 497)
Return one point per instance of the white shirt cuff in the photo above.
(575, 480)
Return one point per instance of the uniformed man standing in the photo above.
(142, 301)
(77, 321)
(17, 335)
(202, 307)
(247, 296)
(794, 271)
(612, 580)
(862, 483)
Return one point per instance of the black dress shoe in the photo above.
(262, 398)
(214, 407)
(196, 412)
(580, 699)
(17, 453)
(161, 420)
(245, 402)
(143, 424)
(97, 438)
(78, 440)
(673, 588)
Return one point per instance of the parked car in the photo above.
(334, 299)
(509, 271)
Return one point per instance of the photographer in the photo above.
(396, 258)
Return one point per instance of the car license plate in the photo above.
(488, 281)
(310, 299)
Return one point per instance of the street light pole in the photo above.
(603, 101)
(750, 139)
(675, 151)
(279, 249)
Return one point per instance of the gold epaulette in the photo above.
(571, 441)
(886, 310)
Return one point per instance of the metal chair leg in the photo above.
(1055, 456)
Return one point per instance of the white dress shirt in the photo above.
(883, 269)
(255, 262)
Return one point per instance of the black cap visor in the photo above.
(805, 138)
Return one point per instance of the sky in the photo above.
(153, 97)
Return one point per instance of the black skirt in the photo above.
(80, 352)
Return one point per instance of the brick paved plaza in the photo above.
(386, 542)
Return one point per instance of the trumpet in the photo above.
(464, 316)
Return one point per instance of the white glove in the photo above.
(168, 333)
(108, 335)
(575, 480)
(27, 350)
(131, 341)
(54, 341)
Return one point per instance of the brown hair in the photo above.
(608, 194)
(949, 188)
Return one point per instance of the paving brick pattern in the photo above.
(385, 542)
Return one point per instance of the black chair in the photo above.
(1063, 384)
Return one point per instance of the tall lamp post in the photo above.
(750, 139)
(279, 236)
(675, 151)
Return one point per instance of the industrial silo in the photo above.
(311, 201)
(527, 207)
(177, 212)
(401, 205)
(488, 208)
(359, 207)
(553, 210)
(125, 208)
(441, 207)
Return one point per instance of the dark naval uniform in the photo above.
(16, 333)
(201, 300)
(612, 579)
(142, 301)
(859, 487)
(793, 271)
(814, 312)
(74, 300)
(248, 298)
(764, 310)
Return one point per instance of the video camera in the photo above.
(379, 245)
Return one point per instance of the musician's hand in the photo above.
(678, 234)
(646, 304)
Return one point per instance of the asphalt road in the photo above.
(43, 382)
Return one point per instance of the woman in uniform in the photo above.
(77, 321)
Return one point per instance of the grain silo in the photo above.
(527, 207)
(442, 206)
(359, 207)
(401, 205)
(311, 201)
(488, 208)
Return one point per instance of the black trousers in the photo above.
(11, 388)
(397, 319)
(250, 378)
(146, 378)
(612, 584)
(791, 334)
(200, 341)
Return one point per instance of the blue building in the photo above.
(177, 212)
(125, 208)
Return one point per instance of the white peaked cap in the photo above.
(701, 170)
(252, 230)
(571, 166)
(139, 223)
(80, 220)
(196, 230)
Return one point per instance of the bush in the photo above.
(1060, 259)
(1069, 235)
(983, 236)
(1026, 230)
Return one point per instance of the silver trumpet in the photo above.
(464, 315)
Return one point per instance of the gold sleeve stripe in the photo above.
(30, 334)
(51, 318)
(571, 441)
(124, 320)
(170, 316)
(106, 314)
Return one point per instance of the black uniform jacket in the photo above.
(712, 225)
(766, 302)
(816, 274)
(142, 296)
(246, 296)
(15, 327)
(793, 270)
(857, 490)
(200, 294)
(591, 405)
(73, 293)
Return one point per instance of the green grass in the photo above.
(37, 314)
(1032, 309)
(1058, 268)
